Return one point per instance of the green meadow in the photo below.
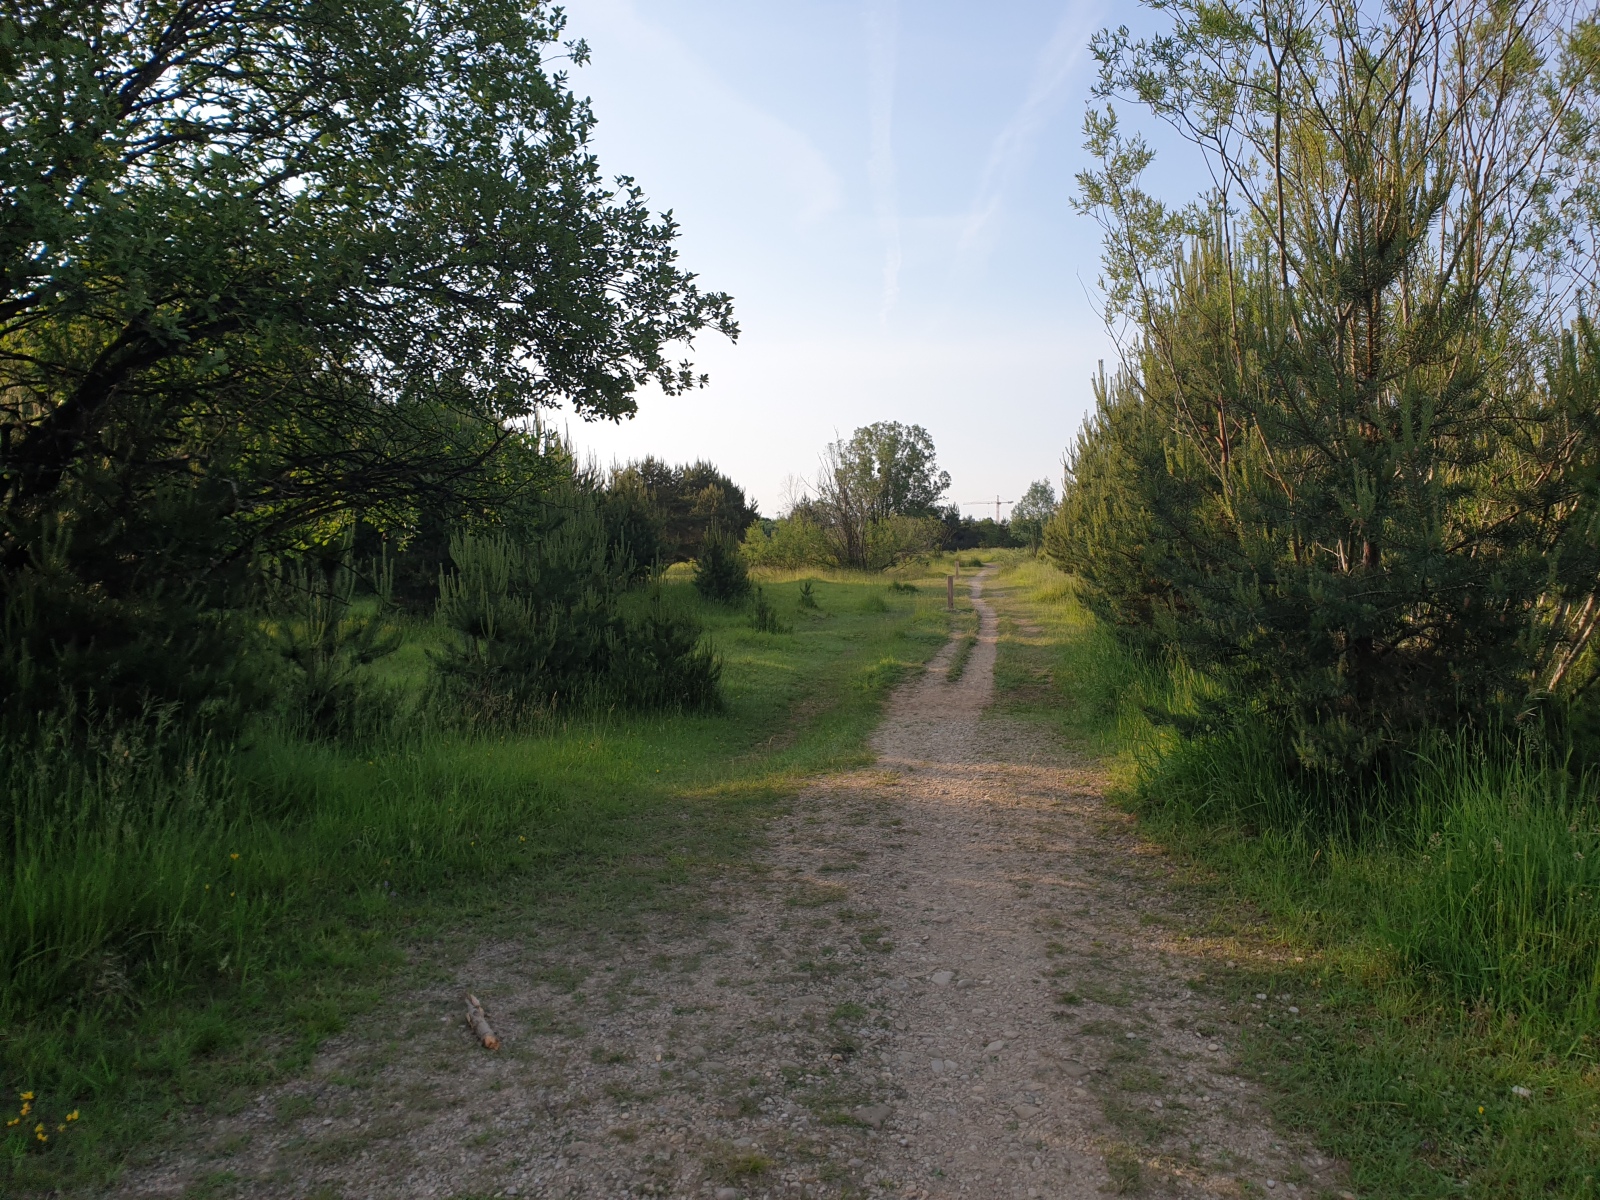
(176, 938)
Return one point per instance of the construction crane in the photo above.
(997, 502)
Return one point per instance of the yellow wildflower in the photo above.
(73, 1115)
(27, 1095)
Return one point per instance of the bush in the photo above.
(76, 653)
(896, 539)
(720, 574)
(808, 594)
(789, 542)
(328, 643)
(544, 624)
(765, 617)
(658, 662)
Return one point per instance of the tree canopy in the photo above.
(309, 255)
(874, 490)
(1346, 467)
(266, 264)
(687, 503)
(1030, 514)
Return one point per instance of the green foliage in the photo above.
(890, 470)
(316, 625)
(304, 262)
(765, 617)
(808, 595)
(791, 542)
(77, 656)
(970, 533)
(688, 503)
(1345, 468)
(174, 937)
(1442, 932)
(634, 524)
(544, 624)
(720, 574)
(187, 282)
(1031, 513)
(877, 496)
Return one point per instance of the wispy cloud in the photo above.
(1013, 145)
(883, 20)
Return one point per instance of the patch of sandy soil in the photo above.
(958, 975)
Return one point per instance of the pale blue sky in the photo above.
(884, 188)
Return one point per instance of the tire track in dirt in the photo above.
(954, 977)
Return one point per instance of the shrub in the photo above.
(544, 624)
(76, 653)
(897, 538)
(720, 574)
(789, 542)
(765, 617)
(327, 642)
(808, 594)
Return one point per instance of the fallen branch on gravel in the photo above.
(479, 1021)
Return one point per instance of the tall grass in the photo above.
(1475, 868)
(126, 883)
(177, 920)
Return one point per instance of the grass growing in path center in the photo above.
(1442, 959)
(169, 940)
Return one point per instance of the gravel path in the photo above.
(958, 974)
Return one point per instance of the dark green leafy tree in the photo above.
(266, 264)
(1031, 513)
(634, 524)
(690, 501)
(1349, 464)
(882, 473)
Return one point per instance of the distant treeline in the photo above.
(879, 499)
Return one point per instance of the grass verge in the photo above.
(1442, 951)
(173, 942)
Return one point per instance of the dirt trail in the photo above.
(957, 977)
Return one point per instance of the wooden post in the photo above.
(950, 592)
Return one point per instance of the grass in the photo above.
(1442, 941)
(962, 655)
(175, 938)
